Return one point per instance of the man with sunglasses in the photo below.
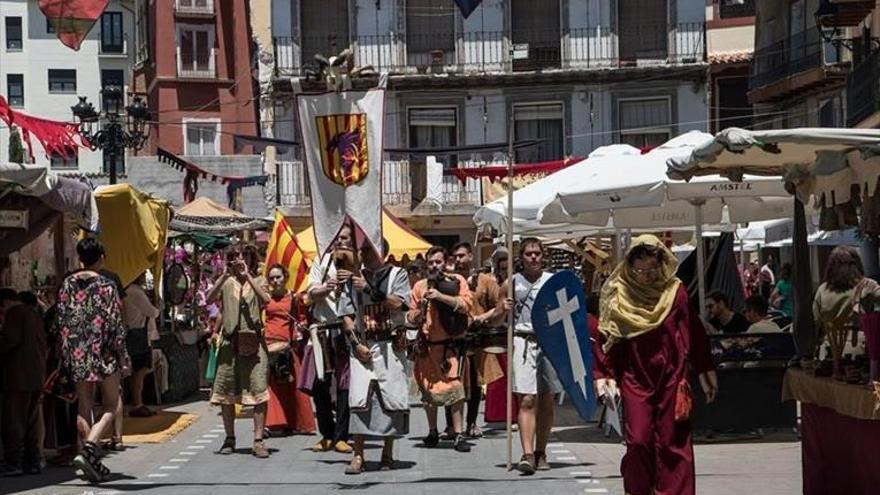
(534, 379)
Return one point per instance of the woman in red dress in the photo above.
(290, 411)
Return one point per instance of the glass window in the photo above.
(196, 51)
(62, 80)
(112, 40)
(430, 31)
(729, 9)
(324, 28)
(201, 138)
(59, 161)
(50, 28)
(109, 160)
(644, 123)
(15, 90)
(541, 122)
(13, 33)
(113, 78)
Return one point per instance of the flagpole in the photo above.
(509, 371)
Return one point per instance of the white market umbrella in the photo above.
(635, 192)
(529, 200)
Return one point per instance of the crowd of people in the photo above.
(364, 329)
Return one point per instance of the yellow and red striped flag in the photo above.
(284, 250)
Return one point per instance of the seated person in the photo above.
(721, 317)
(756, 314)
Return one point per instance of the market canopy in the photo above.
(401, 239)
(32, 199)
(134, 228)
(820, 162)
(207, 216)
(635, 192)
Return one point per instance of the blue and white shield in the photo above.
(559, 316)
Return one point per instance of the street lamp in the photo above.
(110, 130)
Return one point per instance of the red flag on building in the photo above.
(284, 250)
(72, 19)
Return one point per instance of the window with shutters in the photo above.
(430, 32)
(536, 34)
(542, 122)
(195, 51)
(642, 30)
(324, 28)
(644, 122)
(64, 162)
(142, 32)
(13, 34)
(433, 127)
(194, 6)
(201, 137)
(112, 38)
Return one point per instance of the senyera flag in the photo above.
(284, 250)
(72, 19)
(342, 146)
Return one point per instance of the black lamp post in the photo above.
(112, 130)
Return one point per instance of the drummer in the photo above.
(486, 296)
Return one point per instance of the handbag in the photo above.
(247, 342)
(684, 401)
(59, 386)
(211, 367)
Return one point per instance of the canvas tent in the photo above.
(402, 239)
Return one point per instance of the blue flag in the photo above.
(467, 6)
(559, 316)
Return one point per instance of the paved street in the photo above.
(583, 461)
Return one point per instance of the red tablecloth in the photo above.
(841, 453)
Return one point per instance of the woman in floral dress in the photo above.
(92, 338)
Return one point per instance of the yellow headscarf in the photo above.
(629, 309)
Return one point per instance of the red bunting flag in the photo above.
(72, 19)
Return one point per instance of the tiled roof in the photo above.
(731, 57)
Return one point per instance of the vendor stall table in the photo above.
(841, 434)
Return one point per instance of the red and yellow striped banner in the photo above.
(284, 250)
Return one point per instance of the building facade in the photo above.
(730, 34)
(572, 74)
(41, 77)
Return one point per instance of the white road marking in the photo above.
(157, 475)
(560, 452)
(577, 474)
(589, 482)
(165, 468)
(567, 458)
(178, 460)
(186, 452)
(204, 441)
(210, 435)
(595, 490)
(218, 430)
(557, 444)
(143, 482)
(196, 447)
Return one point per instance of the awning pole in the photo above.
(701, 273)
(509, 371)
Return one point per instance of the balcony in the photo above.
(840, 13)
(495, 52)
(396, 188)
(201, 67)
(794, 65)
(197, 8)
(863, 92)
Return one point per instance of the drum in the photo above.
(492, 340)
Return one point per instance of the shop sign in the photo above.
(14, 219)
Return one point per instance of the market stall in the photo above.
(837, 172)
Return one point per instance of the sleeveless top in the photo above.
(524, 294)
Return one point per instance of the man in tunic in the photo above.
(324, 289)
(374, 304)
(486, 296)
(534, 379)
(439, 370)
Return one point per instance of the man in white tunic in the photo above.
(534, 379)
(374, 306)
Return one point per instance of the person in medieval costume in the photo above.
(373, 305)
(439, 369)
(653, 338)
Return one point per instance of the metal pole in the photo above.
(701, 274)
(509, 371)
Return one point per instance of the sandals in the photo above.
(115, 444)
(228, 446)
(474, 431)
(260, 451)
(356, 466)
(90, 465)
(141, 412)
